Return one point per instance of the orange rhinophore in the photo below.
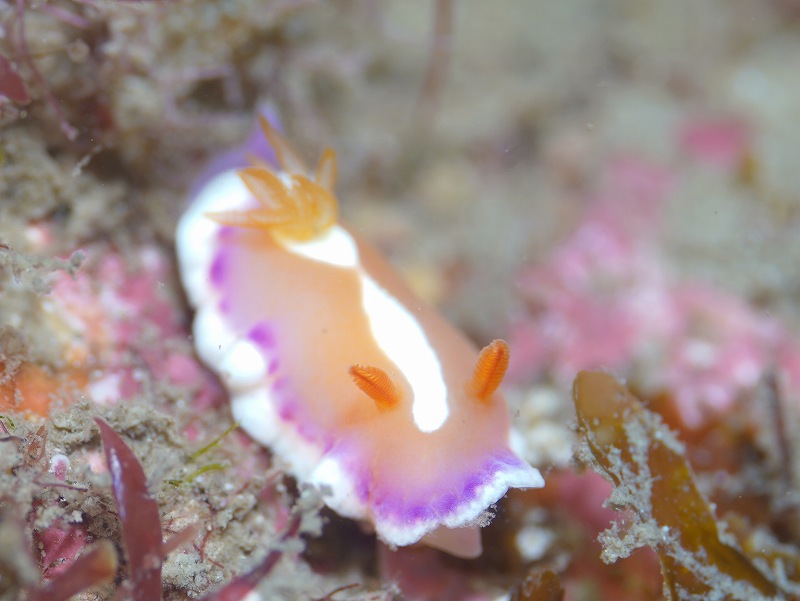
(490, 370)
(376, 384)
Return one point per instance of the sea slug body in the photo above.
(332, 362)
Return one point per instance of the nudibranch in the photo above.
(331, 361)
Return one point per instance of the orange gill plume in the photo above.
(293, 206)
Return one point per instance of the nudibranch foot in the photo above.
(460, 542)
(461, 502)
(405, 509)
(331, 361)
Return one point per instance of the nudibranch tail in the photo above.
(490, 370)
(377, 385)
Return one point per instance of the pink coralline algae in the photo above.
(601, 294)
(721, 142)
(115, 329)
(606, 299)
(110, 317)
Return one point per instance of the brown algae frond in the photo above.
(641, 457)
